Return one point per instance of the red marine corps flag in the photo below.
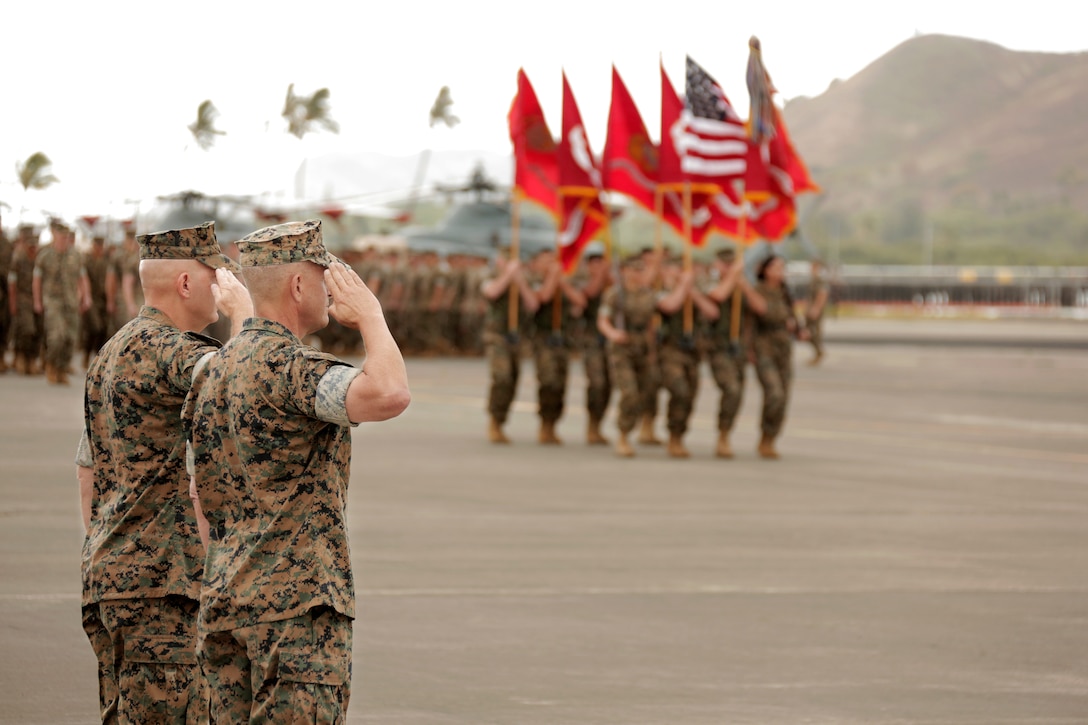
(581, 214)
(536, 167)
(630, 161)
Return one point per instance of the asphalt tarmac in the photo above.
(918, 555)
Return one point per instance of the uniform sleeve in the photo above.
(332, 393)
(607, 300)
(306, 371)
(83, 451)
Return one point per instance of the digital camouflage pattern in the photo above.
(503, 354)
(60, 274)
(727, 359)
(191, 243)
(679, 364)
(773, 349)
(143, 540)
(142, 559)
(595, 360)
(272, 476)
(147, 667)
(26, 326)
(285, 244)
(554, 328)
(96, 319)
(294, 670)
(815, 323)
(630, 364)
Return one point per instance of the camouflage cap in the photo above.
(727, 254)
(191, 243)
(285, 244)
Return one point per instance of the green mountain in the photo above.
(960, 146)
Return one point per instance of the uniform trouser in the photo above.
(146, 650)
(775, 371)
(630, 368)
(27, 334)
(728, 372)
(598, 381)
(61, 331)
(552, 361)
(95, 329)
(816, 334)
(5, 316)
(679, 376)
(504, 366)
(295, 670)
(653, 385)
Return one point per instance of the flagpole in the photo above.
(734, 318)
(515, 255)
(557, 297)
(689, 311)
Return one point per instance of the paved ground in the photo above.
(920, 554)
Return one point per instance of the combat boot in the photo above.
(50, 373)
(3, 362)
(86, 359)
(646, 435)
(19, 363)
(815, 359)
(723, 449)
(62, 378)
(495, 434)
(547, 433)
(623, 446)
(33, 367)
(676, 447)
(593, 433)
(766, 448)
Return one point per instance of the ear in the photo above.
(296, 288)
(184, 285)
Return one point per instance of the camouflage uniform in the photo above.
(96, 319)
(727, 360)
(26, 330)
(773, 349)
(503, 352)
(552, 341)
(128, 273)
(6, 251)
(629, 364)
(142, 559)
(272, 449)
(60, 274)
(679, 370)
(595, 361)
(815, 323)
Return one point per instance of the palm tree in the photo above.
(302, 112)
(35, 172)
(203, 128)
(440, 111)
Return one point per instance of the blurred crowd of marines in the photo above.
(671, 314)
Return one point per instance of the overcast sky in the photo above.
(106, 89)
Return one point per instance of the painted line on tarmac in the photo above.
(695, 589)
(943, 446)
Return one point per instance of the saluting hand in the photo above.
(352, 300)
(231, 296)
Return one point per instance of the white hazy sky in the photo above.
(107, 88)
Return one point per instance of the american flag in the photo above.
(710, 137)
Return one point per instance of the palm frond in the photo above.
(203, 129)
(35, 172)
(440, 111)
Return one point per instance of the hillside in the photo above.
(944, 126)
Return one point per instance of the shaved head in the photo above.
(157, 276)
(268, 284)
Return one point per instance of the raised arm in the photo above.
(380, 391)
